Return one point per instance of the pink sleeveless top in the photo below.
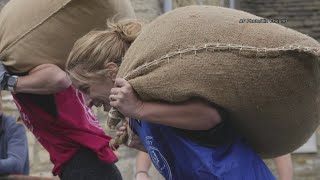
(63, 124)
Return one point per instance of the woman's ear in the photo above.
(112, 70)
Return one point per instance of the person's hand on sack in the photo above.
(123, 97)
(133, 141)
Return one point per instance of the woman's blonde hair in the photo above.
(90, 53)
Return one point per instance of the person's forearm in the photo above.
(44, 79)
(40, 85)
(143, 162)
(194, 115)
(284, 167)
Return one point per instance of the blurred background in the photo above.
(301, 15)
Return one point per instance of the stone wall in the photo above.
(147, 10)
(2, 3)
(303, 16)
(182, 3)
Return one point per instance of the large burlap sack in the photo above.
(264, 74)
(34, 32)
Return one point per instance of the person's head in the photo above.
(95, 58)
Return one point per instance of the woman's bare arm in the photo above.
(43, 79)
(192, 115)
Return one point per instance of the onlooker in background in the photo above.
(14, 157)
(284, 167)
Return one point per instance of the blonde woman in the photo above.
(190, 140)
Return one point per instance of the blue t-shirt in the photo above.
(14, 158)
(178, 158)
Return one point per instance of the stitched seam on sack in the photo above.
(34, 27)
(258, 52)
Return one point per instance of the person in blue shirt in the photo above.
(178, 155)
(14, 158)
(191, 140)
(283, 164)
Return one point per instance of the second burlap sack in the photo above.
(34, 32)
(264, 74)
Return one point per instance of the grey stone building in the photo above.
(3, 2)
(303, 16)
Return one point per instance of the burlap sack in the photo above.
(34, 32)
(265, 74)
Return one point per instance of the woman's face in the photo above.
(97, 94)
